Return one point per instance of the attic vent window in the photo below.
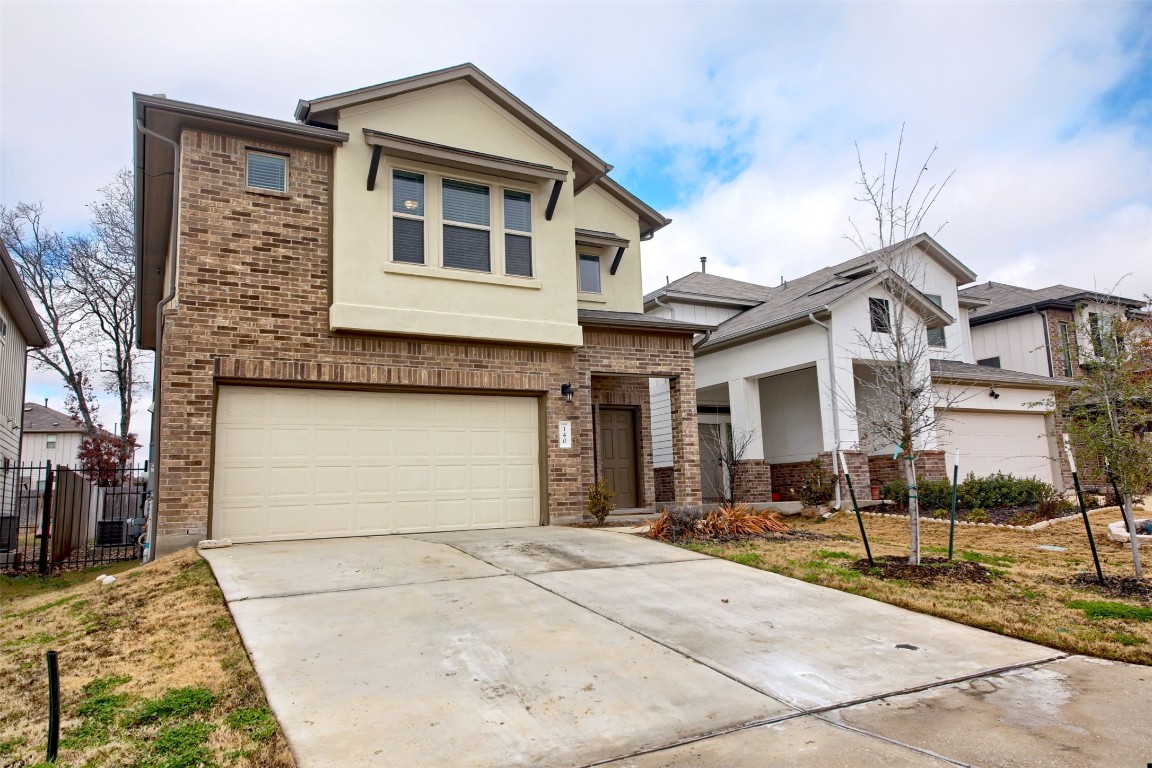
(267, 172)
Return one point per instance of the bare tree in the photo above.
(84, 286)
(43, 258)
(1111, 411)
(729, 448)
(902, 409)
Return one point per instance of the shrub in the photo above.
(934, 494)
(1001, 490)
(1026, 517)
(600, 501)
(940, 514)
(895, 491)
(977, 515)
(727, 522)
(818, 485)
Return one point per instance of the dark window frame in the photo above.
(990, 362)
(879, 315)
(937, 337)
(589, 258)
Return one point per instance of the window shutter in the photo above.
(467, 248)
(408, 240)
(518, 255)
(267, 172)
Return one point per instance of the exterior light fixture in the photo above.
(992, 393)
(567, 391)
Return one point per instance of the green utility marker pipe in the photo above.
(952, 526)
(855, 506)
(1083, 507)
(53, 706)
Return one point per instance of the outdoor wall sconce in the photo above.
(567, 390)
(992, 393)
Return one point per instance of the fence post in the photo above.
(46, 519)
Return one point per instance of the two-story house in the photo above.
(791, 366)
(417, 308)
(1048, 331)
(49, 436)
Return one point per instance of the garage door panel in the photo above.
(1012, 443)
(308, 463)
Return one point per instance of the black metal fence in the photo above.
(56, 518)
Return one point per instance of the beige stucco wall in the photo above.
(622, 292)
(371, 293)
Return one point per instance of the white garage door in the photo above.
(305, 463)
(1012, 443)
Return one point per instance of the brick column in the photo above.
(858, 468)
(754, 485)
(685, 439)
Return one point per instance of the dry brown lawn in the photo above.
(153, 673)
(1031, 595)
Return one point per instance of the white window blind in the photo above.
(267, 172)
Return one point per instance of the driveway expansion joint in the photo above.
(336, 590)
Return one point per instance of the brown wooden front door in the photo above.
(618, 454)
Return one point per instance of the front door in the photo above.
(618, 454)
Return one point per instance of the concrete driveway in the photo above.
(569, 647)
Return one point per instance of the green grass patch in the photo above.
(1126, 638)
(978, 557)
(754, 559)
(257, 722)
(833, 554)
(175, 703)
(16, 587)
(182, 746)
(1106, 609)
(99, 708)
(11, 744)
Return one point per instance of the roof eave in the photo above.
(19, 303)
(776, 327)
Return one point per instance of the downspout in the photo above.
(835, 407)
(671, 309)
(173, 240)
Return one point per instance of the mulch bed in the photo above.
(1115, 586)
(607, 524)
(930, 570)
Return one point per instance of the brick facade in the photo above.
(631, 393)
(787, 478)
(754, 484)
(930, 465)
(252, 308)
(662, 478)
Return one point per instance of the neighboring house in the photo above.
(1050, 331)
(418, 308)
(787, 364)
(49, 436)
(20, 329)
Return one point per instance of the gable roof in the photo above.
(1005, 301)
(40, 418)
(323, 111)
(779, 307)
(19, 303)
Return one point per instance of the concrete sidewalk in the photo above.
(570, 647)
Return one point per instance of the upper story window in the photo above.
(3, 330)
(517, 233)
(468, 239)
(880, 318)
(1065, 348)
(441, 221)
(407, 217)
(589, 274)
(1105, 339)
(989, 362)
(936, 336)
(50, 440)
(267, 171)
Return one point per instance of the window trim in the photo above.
(50, 440)
(580, 259)
(281, 156)
(1065, 330)
(938, 300)
(873, 305)
(395, 214)
(434, 223)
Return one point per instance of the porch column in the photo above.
(685, 439)
(837, 404)
(744, 402)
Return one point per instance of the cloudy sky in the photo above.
(737, 120)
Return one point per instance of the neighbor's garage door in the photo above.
(304, 463)
(1012, 443)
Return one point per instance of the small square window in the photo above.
(266, 171)
(589, 274)
(878, 311)
(50, 440)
